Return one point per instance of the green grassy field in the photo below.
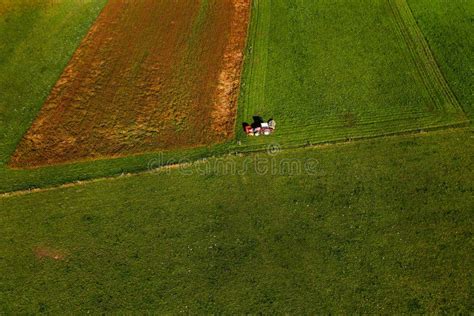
(448, 28)
(373, 227)
(328, 71)
(381, 225)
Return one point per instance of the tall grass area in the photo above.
(448, 27)
(380, 226)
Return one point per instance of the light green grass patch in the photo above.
(328, 70)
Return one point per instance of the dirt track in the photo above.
(150, 75)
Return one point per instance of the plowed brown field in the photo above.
(150, 75)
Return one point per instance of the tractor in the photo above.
(259, 127)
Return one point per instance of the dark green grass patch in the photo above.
(328, 70)
(380, 226)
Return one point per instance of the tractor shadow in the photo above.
(257, 122)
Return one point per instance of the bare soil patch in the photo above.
(150, 75)
(49, 253)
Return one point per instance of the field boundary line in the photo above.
(304, 142)
(242, 67)
(164, 168)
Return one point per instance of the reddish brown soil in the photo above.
(150, 75)
(49, 253)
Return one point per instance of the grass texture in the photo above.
(379, 226)
(448, 28)
(330, 71)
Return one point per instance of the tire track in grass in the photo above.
(426, 51)
(404, 45)
(431, 76)
(413, 56)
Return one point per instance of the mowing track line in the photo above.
(422, 57)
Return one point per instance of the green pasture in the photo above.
(379, 226)
(448, 27)
(331, 70)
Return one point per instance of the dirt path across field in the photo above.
(150, 75)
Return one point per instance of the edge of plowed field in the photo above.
(178, 85)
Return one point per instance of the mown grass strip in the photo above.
(253, 86)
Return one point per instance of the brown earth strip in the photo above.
(150, 75)
(42, 252)
(229, 78)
